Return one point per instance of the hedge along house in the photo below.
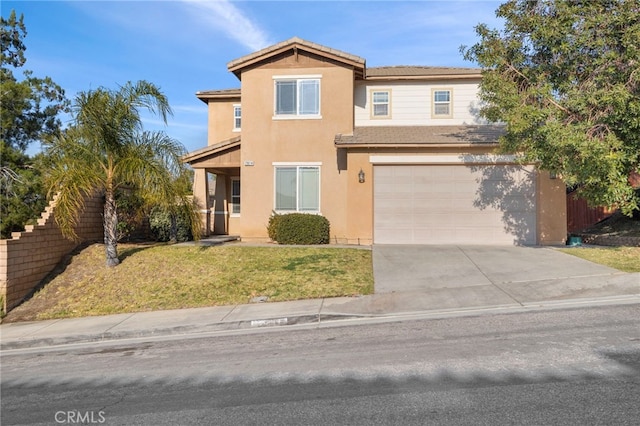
(389, 155)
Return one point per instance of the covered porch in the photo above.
(216, 186)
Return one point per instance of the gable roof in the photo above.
(411, 136)
(410, 72)
(236, 66)
(211, 150)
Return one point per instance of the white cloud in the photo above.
(225, 16)
(192, 109)
(155, 124)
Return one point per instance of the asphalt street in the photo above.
(574, 366)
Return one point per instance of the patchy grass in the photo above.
(625, 259)
(173, 277)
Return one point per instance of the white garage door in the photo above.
(454, 204)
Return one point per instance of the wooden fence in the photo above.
(580, 215)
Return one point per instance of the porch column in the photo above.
(201, 197)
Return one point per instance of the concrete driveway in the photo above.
(419, 277)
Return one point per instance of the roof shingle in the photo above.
(421, 71)
(420, 135)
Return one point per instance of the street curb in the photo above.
(27, 343)
(318, 319)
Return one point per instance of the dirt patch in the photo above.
(617, 225)
(616, 230)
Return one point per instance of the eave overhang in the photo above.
(223, 95)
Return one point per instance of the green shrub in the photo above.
(273, 225)
(163, 228)
(131, 215)
(299, 228)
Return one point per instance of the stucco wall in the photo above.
(266, 140)
(29, 256)
(552, 210)
(220, 113)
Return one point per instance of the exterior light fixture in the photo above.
(361, 176)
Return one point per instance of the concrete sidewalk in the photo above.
(411, 282)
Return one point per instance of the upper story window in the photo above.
(441, 105)
(237, 117)
(381, 104)
(297, 97)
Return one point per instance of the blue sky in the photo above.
(183, 45)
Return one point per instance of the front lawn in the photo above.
(175, 276)
(626, 259)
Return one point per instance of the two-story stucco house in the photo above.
(389, 155)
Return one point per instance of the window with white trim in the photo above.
(237, 117)
(297, 189)
(441, 106)
(235, 196)
(380, 103)
(297, 97)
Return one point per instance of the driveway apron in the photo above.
(444, 277)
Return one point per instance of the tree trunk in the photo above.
(111, 229)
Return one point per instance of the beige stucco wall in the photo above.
(266, 140)
(200, 191)
(359, 208)
(220, 113)
(552, 210)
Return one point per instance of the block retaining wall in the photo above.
(29, 256)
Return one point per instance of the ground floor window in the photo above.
(235, 196)
(297, 188)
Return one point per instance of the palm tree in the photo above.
(106, 148)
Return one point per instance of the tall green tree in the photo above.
(564, 76)
(29, 110)
(106, 148)
(22, 194)
(30, 106)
